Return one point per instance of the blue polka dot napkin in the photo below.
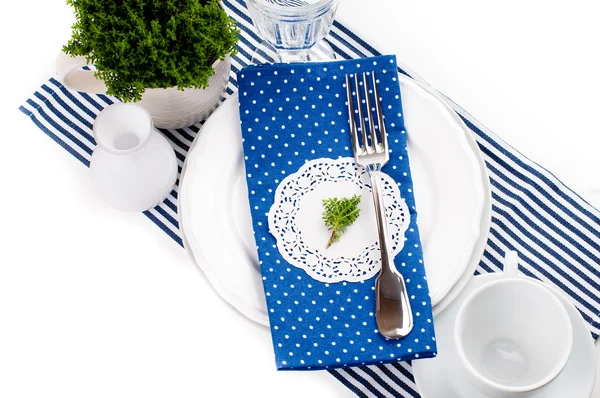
(291, 114)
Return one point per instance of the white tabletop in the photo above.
(97, 303)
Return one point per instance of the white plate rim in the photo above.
(481, 188)
(486, 215)
(196, 255)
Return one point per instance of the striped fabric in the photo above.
(555, 231)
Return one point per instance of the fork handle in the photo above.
(382, 225)
(393, 313)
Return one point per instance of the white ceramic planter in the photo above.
(169, 107)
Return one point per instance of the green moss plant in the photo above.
(139, 44)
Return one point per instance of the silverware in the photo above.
(393, 312)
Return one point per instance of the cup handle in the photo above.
(70, 74)
(511, 263)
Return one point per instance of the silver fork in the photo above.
(393, 312)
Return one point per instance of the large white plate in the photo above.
(450, 184)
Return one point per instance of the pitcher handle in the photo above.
(73, 77)
(511, 264)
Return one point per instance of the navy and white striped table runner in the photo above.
(556, 233)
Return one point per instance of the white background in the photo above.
(98, 303)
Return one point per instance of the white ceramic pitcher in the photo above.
(133, 167)
(169, 107)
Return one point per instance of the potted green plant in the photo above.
(173, 56)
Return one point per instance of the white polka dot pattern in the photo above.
(292, 114)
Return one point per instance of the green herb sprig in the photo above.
(338, 214)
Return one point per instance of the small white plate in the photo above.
(575, 381)
(451, 191)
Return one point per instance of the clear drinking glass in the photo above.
(292, 30)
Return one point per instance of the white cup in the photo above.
(512, 336)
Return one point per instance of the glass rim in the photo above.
(272, 7)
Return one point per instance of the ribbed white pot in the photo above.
(169, 108)
(173, 108)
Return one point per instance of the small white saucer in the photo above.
(434, 376)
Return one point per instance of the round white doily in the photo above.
(295, 221)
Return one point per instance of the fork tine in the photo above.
(374, 143)
(352, 121)
(381, 123)
(363, 130)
